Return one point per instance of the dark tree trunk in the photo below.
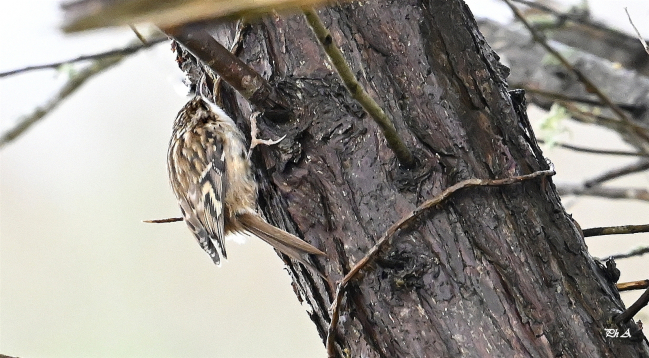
(492, 272)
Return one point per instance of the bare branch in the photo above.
(571, 28)
(615, 230)
(138, 34)
(6, 356)
(335, 316)
(385, 239)
(642, 41)
(81, 15)
(634, 285)
(250, 84)
(162, 221)
(633, 309)
(100, 64)
(618, 172)
(633, 253)
(633, 108)
(235, 48)
(131, 49)
(597, 151)
(357, 91)
(589, 85)
(539, 6)
(577, 18)
(604, 192)
(635, 133)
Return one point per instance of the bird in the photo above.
(211, 175)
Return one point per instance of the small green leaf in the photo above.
(552, 125)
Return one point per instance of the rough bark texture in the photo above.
(492, 272)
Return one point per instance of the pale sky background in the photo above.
(82, 276)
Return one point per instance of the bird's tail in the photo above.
(281, 240)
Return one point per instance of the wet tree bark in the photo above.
(492, 272)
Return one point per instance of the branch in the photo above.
(162, 221)
(357, 91)
(615, 230)
(235, 49)
(633, 108)
(630, 128)
(75, 81)
(117, 52)
(633, 253)
(618, 172)
(604, 192)
(596, 151)
(591, 118)
(633, 309)
(578, 18)
(589, 85)
(250, 84)
(81, 15)
(642, 41)
(614, 45)
(385, 239)
(634, 285)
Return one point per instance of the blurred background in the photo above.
(82, 276)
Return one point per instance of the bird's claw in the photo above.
(253, 135)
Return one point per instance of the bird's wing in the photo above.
(206, 194)
(196, 166)
(212, 197)
(191, 216)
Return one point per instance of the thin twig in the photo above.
(590, 86)
(630, 131)
(633, 108)
(138, 34)
(591, 118)
(633, 309)
(603, 192)
(634, 285)
(596, 151)
(357, 91)
(135, 47)
(335, 315)
(577, 18)
(642, 41)
(385, 239)
(633, 253)
(615, 230)
(162, 221)
(6, 356)
(617, 173)
(102, 62)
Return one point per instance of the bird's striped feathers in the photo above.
(196, 169)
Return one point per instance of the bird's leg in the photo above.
(254, 141)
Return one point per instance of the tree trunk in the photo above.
(491, 272)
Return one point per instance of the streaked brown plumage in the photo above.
(211, 175)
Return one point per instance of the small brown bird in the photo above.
(210, 173)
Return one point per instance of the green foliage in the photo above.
(552, 126)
